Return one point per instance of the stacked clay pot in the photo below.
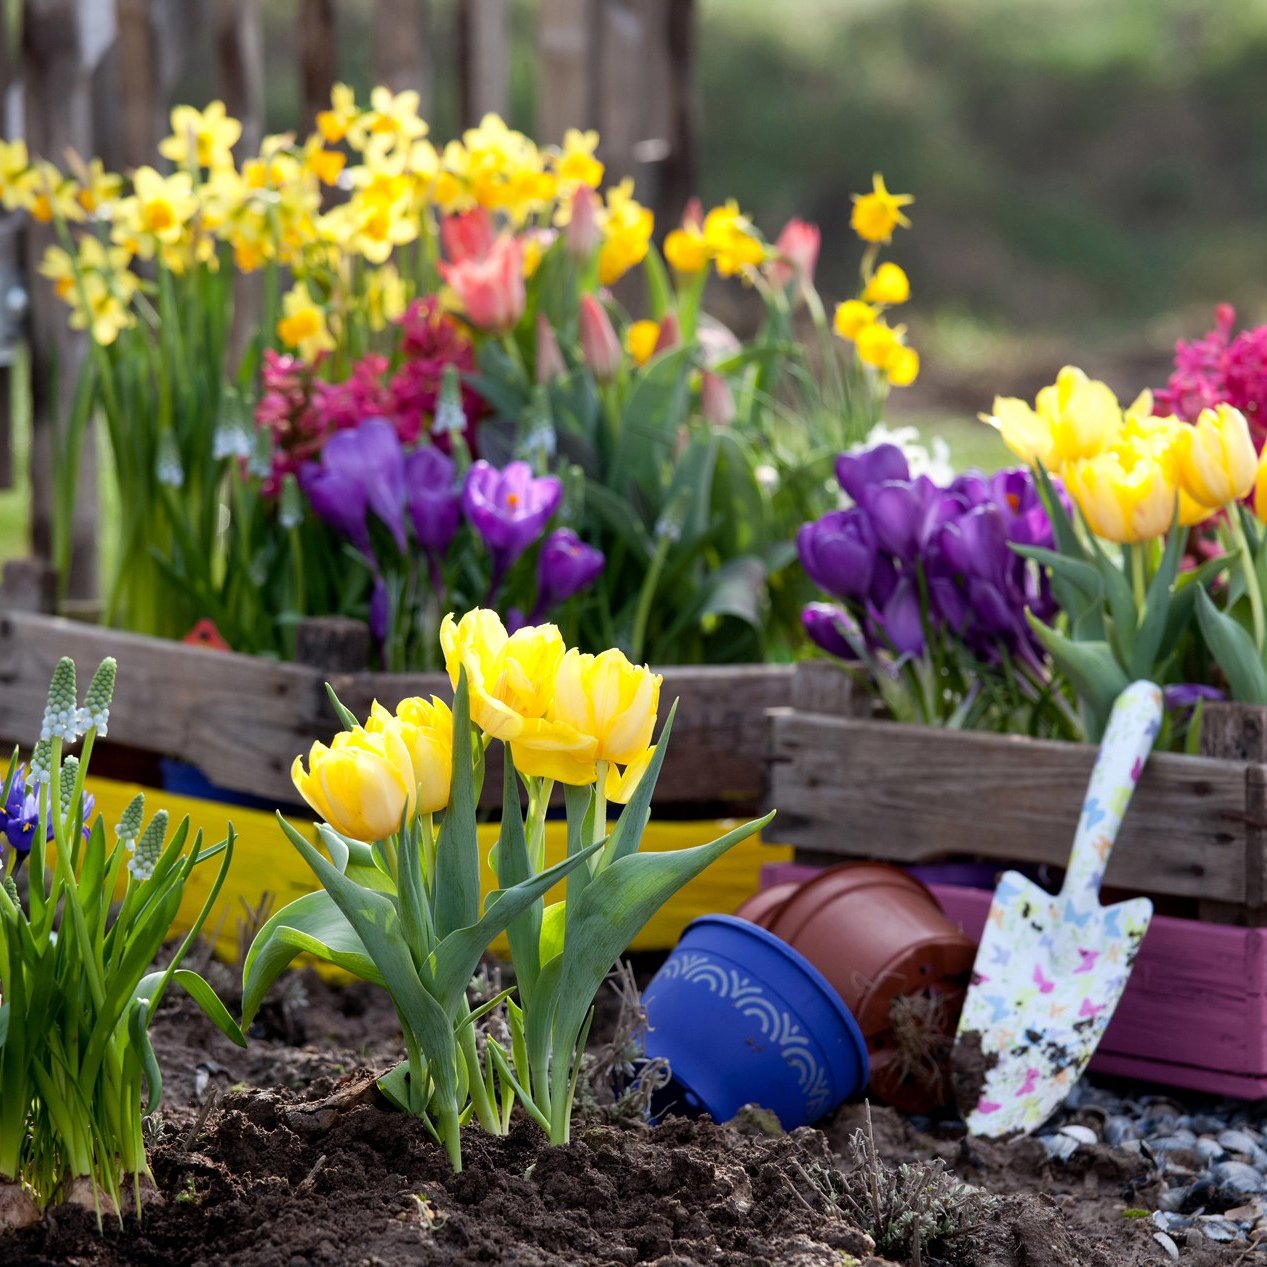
(878, 935)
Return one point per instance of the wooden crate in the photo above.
(243, 719)
(850, 786)
(1194, 1013)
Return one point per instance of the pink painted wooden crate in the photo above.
(1194, 1014)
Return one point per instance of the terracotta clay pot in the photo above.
(878, 935)
(761, 908)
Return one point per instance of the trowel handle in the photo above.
(1132, 728)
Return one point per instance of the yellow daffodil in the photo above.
(304, 325)
(511, 679)
(877, 214)
(325, 164)
(99, 189)
(426, 728)
(853, 316)
(686, 250)
(575, 164)
(732, 242)
(48, 194)
(641, 339)
(104, 312)
(877, 342)
(201, 138)
(1218, 463)
(334, 124)
(609, 699)
(889, 285)
(158, 210)
(58, 266)
(385, 296)
(627, 227)
(362, 785)
(389, 115)
(14, 160)
(902, 367)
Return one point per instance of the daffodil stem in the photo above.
(1251, 575)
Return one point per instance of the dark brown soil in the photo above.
(970, 1067)
(284, 1154)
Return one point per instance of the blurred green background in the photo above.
(1090, 175)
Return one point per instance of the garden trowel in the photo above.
(1051, 969)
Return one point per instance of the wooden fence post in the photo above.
(140, 114)
(401, 47)
(565, 42)
(317, 62)
(240, 58)
(484, 40)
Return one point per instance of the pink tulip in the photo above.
(584, 232)
(798, 247)
(717, 404)
(491, 289)
(670, 335)
(601, 347)
(550, 363)
(468, 236)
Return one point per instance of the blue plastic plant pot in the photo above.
(742, 1018)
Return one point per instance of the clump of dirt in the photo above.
(970, 1067)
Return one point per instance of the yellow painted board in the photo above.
(265, 862)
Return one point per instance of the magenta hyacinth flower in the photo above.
(509, 509)
(434, 498)
(567, 566)
(360, 471)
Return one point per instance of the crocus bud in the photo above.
(567, 566)
(603, 353)
(584, 233)
(717, 404)
(670, 334)
(550, 363)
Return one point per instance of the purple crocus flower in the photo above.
(900, 624)
(435, 501)
(567, 566)
(360, 470)
(380, 610)
(834, 629)
(509, 509)
(859, 471)
(839, 552)
(903, 513)
(1188, 694)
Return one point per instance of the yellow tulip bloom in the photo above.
(362, 785)
(1260, 489)
(608, 698)
(622, 784)
(889, 285)
(1127, 493)
(1218, 464)
(877, 214)
(426, 728)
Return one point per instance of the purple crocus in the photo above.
(834, 629)
(509, 509)
(839, 552)
(859, 471)
(1183, 695)
(360, 471)
(566, 567)
(435, 501)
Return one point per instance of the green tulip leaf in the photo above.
(1233, 649)
(457, 881)
(1091, 668)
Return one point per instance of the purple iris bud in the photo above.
(435, 501)
(360, 470)
(834, 629)
(901, 621)
(1188, 694)
(859, 471)
(567, 566)
(509, 509)
(838, 551)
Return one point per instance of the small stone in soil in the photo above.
(1082, 1134)
(1238, 1142)
(1167, 1244)
(1237, 1177)
(1117, 1130)
(1059, 1147)
(1217, 1228)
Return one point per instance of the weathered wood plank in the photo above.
(484, 40)
(566, 37)
(242, 719)
(401, 47)
(911, 793)
(317, 57)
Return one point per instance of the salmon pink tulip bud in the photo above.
(603, 353)
(797, 248)
(670, 335)
(584, 234)
(469, 236)
(491, 290)
(717, 404)
(550, 363)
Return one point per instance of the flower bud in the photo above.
(129, 827)
(550, 363)
(601, 347)
(61, 713)
(100, 695)
(584, 233)
(717, 404)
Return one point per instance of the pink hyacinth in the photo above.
(286, 410)
(432, 341)
(342, 406)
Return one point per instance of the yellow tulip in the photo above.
(1075, 418)
(1126, 493)
(426, 727)
(622, 784)
(608, 698)
(1024, 432)
(362, 785)
(1218, 463)
(511, 679)
(1260, 488)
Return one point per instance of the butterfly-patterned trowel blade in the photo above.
(1050, 970)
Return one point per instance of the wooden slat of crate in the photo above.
(908, 793)
(242, 719)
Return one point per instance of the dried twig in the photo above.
(205, 1112)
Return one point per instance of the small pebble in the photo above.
(1217, 1228)
(1167, 1244)
(1170, 1222)
(1061, 1147)
(1082, 1134)
(1238, 1142)
(1176, 1143)
(1236, 1176)
(1117, 1130)
(1209, 1149)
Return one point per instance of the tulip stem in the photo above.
(1251, 575)
(600, 810)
